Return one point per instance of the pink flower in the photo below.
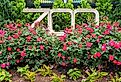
(39, 39)
(95, 56)
(41, 47)
(78, 26)
(12, 27)
(112, 43)
(19, 32)
(3, 65)
(59, 54)
(88, 44)
(2, 33)
(31, 29)
(98, 54)
(99, 37)
(106, 32)
(98, 40)
(109, 27)
(23, 53)
(85, 25)
(88, 36)
(102, 23)
(115, 62)
(19, 25)
(15, 36)
(8, 63)
(18, 49)
(116, 24)
(93, 35)
(103, 47)
(27, 24)
(63, 57)
(97, 26)
(118, 63)
(79, 31)
(9, 49)
(90, 29)
(64, 47)
(111, 57)
(62, 38)
(9, 38)
(21, 58)
(75, 60)
(28, 38)
(67, 30)
(117, 45)
(34, 32)
(17, 61)
(63, 64)
(69, 43)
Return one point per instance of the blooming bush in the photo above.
(89, 45)
(29, 46)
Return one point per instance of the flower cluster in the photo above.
(87, 45)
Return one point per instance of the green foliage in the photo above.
(83, 45)
(12, 11)
(5, 11)
(116, 78)
(116, 11)
(84, 17)
(74, 73)
(95, 75)
(104, 7)
(45, 70)
(5, 76)
(61, 20)
(24, 71)
(30, 76)
(37, 3)
(56, 78)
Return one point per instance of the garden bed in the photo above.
(17, 78)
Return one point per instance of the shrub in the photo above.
(61, 20)
(104, 7)
(84, 17)
(116, 11)
(88, 45)
(12, 11)
(30, 46)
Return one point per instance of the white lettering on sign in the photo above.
(50, 11)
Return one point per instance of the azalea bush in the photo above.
(89, 45)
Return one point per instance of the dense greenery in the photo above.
(87, 45)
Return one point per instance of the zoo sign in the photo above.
(49, 12)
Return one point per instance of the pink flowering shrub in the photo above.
(88, 45)
(20, 45)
